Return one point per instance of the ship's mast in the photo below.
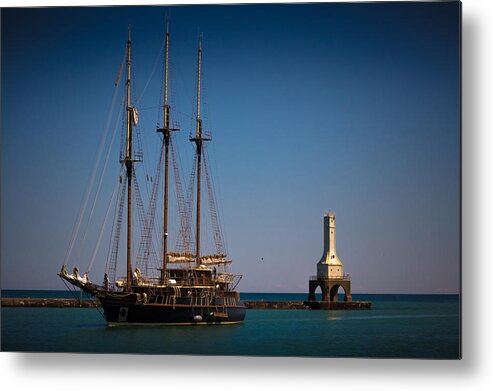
(129, 165)
(166, 130)
(198, 139)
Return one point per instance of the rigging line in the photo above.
(115, 218)
(183, 240)
(178, 189)
(145, 162)
(157, 232)
(146, 245)
(149, 108)
(184, 114)
(75, 231)
(101, 177)
(115, 242)
(152, 72)
(146, 235)
(190, 224)
(117, 186)
(71, 289)
(140, 207)
(216, 186)
(161, 90)
(99, 310)
(213, 209)
(122, 137)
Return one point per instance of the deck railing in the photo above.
(230, 279)
(344, 277)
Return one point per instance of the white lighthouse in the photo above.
(330, 276)
(330, 266)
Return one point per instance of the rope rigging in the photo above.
(146, 237)
(142, 221)
(159, 55)
(213, 210)
(116, 232)
(103, 226)
(101, 176)
(184, 207)
(186, 240)
(89, 188)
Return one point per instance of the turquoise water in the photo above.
(398, 326)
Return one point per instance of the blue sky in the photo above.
(352, 108)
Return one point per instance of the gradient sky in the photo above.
(352, 108)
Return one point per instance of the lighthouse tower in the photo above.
(330, 276)
(330, 265)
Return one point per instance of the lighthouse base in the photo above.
(330, 287)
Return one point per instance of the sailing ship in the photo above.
(187, 287)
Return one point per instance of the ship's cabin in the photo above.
(195, 276)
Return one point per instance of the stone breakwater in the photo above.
(274, 305)
(307, 305)
(54, 303)
(338, 305)
(250, 304)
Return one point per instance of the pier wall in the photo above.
(338, 305)
(250, 304)
(54, 303)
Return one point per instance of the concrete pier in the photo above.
(249, 304)
(338, 305)
(53, 303)
(274, 305)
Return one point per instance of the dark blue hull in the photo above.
(183, 311)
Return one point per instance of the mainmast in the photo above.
(129, 165)
(166, 130)
(198, 139)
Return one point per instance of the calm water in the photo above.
(398, 326)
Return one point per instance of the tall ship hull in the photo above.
(161, 309)
(174, 305)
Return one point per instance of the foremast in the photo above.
(166, 131)
(129, 161)
(199, 140)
